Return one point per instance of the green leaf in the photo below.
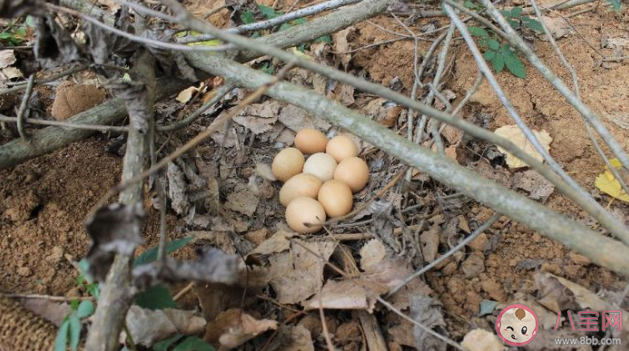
(150, 255)
(193, 343)
(506, 13)
(493, 44)
(326, 39)
(299, 21)
(285, 26)
(30, 21)
(515, 66)
(6, 35)
(156, 298)
(487, 307)
(75, 332)
(478, 32)
(93, 289)
(62, 336)
(533, 24)
(498, 63)
(616, 5)
(489, 55)
(74, 304)
(84, 268)
(86, 309)
(513, 24)
(247, 17)
(269, 12)
(165, 344)
(516, 12)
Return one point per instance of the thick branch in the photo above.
(602, 250)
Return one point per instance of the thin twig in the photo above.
(143, 40)
(24, 85)
(48, 297)
(220, 92)
(308, 11)
(23, 106)
(68, 125)
(451, 252)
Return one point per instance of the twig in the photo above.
(451, 252)
(308, 11)
(487, 23)
(222, 91)
(620, 232)
(616, 59)
(48, 297)
(143, 40)
(24, 85)
(184, 291)
(23, 107)
(69, 125)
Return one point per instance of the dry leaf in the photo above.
(427, 311)
(538, 187)
(50, 310)
(264, 170)
(606, 182)
(342, 295)
(517, 137)
(186, 94)
(372, 253)
(10, 73)
(342, 46)
(275, 244)
(7, 58)
(482, 340)
(242, 200)
(177, 189)
(150, 326)
(557, 26)
(300, 340)
(296, 119)
(234, 327)
(298, 274)
(259, 118)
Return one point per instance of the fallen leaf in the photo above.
(300, 54)
(277, 243)
(342, 46)
(607, 183)
(298, 274)
(427, 311)
(300, 340)
(259, 118)
(344, 93)
(264, 170)
(177, 189)
(186, 94)
(150, 326)
(10, 73)
(372, 253)
(7, 58)
(517, 137)
(342, 295)
(482, 340)
(557, 26)
(296, 119)
(234, 327)
(53, 311)
(538, 187)
(242, 200)
(429, 241)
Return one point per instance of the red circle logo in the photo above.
(517, 325)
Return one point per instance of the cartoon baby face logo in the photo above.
(517, 325)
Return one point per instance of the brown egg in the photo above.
(321, 165)
(287, 163)
(354, 172)
(336, 198)
(310, 141)
(302, 184)
(341, 147)
(305, 215)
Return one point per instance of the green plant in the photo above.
(500, 55)
(70, 329)
(517, 20)
(15, 34)
(616, 4)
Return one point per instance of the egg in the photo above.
(305, 215)
(354, 172)
(336, 198)
(341, 147)
(310, 141)
(302, 184)
(287, 163)
(321, 165)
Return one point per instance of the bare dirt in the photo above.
(44, 201)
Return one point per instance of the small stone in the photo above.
(450, 268)
(579, 259)
(473, 266)
(479, 243)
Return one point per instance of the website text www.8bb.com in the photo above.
(586, 340)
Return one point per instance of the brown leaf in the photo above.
(298, 274)
(296, 119)
(50, 310)
(482, 340)
(150, 326)
(342, 45)
(234, 327)
(342, 295)
(242, 200)
(429, 241)
(372, 253)
(427, 311)
(275, 244)
(259, 118)
(7, 58)
(300, 340)
(538, 187)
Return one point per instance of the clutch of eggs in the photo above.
(321, 185)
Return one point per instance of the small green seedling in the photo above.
(70, 330)
(517, 20)
(500, 55)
